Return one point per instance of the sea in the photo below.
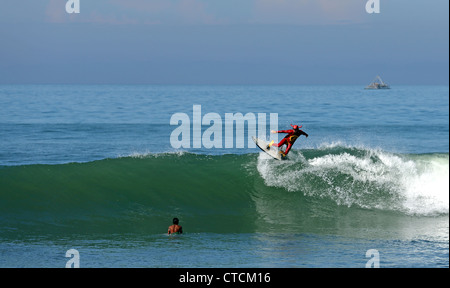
(91, 176)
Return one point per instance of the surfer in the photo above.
(289, 139)
(175, 228)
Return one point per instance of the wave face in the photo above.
(314, 189)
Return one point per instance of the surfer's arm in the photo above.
(304, 133)
(282, 131)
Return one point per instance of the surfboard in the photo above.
(274, 153)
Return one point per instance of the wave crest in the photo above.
(366, 178)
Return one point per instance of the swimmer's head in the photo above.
(175, 221)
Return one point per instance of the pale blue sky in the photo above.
(224, 42)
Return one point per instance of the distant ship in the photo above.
(378, 83)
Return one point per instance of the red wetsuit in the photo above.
(289, 139)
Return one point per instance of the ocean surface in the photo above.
(93, 168)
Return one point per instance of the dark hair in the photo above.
(175, 221)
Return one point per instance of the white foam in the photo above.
(415, 185)
(427, 188)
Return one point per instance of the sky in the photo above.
(215, 42)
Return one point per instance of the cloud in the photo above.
(246, 11)
(56, 11)
(200, 12)
(99, 12)
(169, 11)
(307, 11)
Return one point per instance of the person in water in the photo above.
(175, 228)
(289, 139)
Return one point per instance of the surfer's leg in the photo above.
(289, 146)
(282, 142)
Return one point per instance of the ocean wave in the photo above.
(366, 178)
(222, 193)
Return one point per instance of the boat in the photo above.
(378, 83)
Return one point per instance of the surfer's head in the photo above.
(296, 127)
(175, 221)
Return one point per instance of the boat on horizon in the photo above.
(378, 83)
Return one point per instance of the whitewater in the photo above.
(368, 178)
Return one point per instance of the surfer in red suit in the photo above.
(289, 139)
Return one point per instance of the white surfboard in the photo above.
(275, 153)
